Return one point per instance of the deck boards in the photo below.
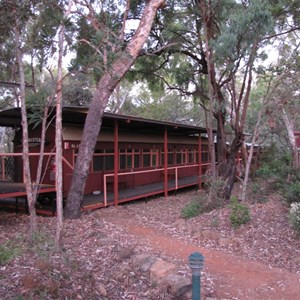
(10, 191)
(17, 189)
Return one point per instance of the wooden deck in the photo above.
(13, 195)
(137, 192)
(17, 189)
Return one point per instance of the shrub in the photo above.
(294, 216)
(8, 252)
(264, 171)
(291, 191)
(191, 210)
(258, 193)
(240, 213)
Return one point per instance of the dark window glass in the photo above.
(178, 158)
(98, 163)
(146, 160)
(204, 157)
(136, 161)
(129, 161)
(122, 162)
(109, 162)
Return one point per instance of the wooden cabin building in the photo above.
(133, 158)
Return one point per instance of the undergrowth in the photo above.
(239, 214)
(8, 251)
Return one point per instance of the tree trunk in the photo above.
(58, 133)
(93, 122)
(25, 146)
(289, 124)
(228, 167)
(249, 158)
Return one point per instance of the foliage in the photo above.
(275, 164)
(42, 244)
(8, 251)
(240, 213)
(294, 216)
(291, 191)
(207, 200)
(214, 188)
(258, 193)
(279, 172)
(191, 210)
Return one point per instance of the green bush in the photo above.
(258, 193)
(8, 252)
(191, 210)
(294, 216)
(278, 167)
(264, 171)
(240, 213)
(293, 192)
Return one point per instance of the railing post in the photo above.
(196, 265)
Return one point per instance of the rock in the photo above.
(101, 289)
(161, 269)
(177, 285)
(183, 293)
(105, 241)
(180, 224)
(296, 260)
(230, 242)
(143, 261)
(124, 253)
(208, 235)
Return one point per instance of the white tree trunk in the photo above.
(289, 124)
(58, 132)
(250, 155)
(25, 145)
(106, 86)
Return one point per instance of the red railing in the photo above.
(144, 172)
(7, 164)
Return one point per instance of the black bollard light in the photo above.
(196, 265)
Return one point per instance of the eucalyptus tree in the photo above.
(285, 112)
(106, 22)
(18, 18)
(210, 49)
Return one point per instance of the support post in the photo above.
(116, 163)
(166, 162)
(199, 162)
(196, 265)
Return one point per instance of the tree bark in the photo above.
(58, 133)
(289, 124)
(228, 166)
(25, 146)
(250, 155)
(93, 122)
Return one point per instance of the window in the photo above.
(204, 154)
(192, 156)
(129, 159)
(146, 158)
(154, 158)
(103, 160)
(180, 156)
(170, 157)
(150, 158)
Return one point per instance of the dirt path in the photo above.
(235, 277)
